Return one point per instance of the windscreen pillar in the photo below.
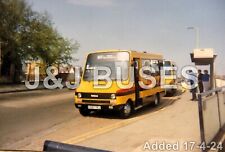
(205, 57)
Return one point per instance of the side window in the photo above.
(174, 72)
(146, 63)
(167, 64)
(153, 64)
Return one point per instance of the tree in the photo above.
(26, 34)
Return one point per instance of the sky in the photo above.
(157, 26)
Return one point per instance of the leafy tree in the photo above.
(26, 34)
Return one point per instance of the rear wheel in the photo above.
(84, 111)
(157, 99)
(126, 110)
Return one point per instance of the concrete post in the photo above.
(212, 81)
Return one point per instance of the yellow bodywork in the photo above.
(88, 86)
(171, 77)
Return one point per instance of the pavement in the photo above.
(220, 83)
(7, 88)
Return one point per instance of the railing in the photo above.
(211, 108)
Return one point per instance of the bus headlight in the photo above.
(79, 95)
(113, 96)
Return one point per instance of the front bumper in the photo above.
(103, 107)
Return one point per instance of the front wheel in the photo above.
(84, 111)
(126, 110)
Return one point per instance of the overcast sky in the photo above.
(158, 26)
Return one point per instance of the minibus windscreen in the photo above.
(111, 60)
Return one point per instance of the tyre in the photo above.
(126, 110)
(157, 99)
(84, 111)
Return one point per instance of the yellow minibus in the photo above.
(131, 95)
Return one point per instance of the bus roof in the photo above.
(136, 54)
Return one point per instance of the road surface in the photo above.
(26, 117)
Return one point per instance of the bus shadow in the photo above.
(137, 113)
(174, 94)
(152, 108)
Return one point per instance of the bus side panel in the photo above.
(120, 100)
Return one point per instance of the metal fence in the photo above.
(211, 108)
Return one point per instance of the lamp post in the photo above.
(197, 35)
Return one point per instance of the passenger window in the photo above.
(153, 64)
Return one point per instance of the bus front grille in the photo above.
(96, 95)
(96, 101)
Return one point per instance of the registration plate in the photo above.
(94, 107)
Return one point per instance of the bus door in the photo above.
(138, 101)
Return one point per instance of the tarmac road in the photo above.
(37, 115)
